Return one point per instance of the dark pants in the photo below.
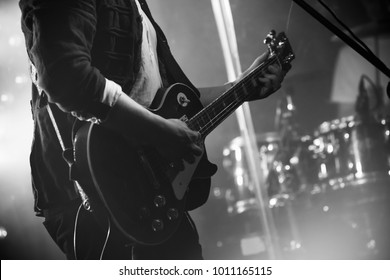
(91, 238)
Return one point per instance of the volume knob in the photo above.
(157, 225)
(172, 214)
(159, 201)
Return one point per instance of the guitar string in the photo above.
(244, 84)
(232, 106)
(223, 114)
(204, 130)
(225, 98)
(220, 116)
(232, 94)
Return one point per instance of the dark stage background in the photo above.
(193, 36)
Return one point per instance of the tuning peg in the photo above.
(270, 41)
(270, 37)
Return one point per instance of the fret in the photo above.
(245, 90)
(193, 125)
(236, 94)
(213, 111)
(254, 82)
(206, 118)
(202, 120)
(250, 85)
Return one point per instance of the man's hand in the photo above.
(177, 142)
(271, 79)
(269, 82)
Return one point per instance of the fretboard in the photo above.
(206, 120)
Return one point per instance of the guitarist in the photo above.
(103, 61)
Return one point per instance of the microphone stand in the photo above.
(371, 58)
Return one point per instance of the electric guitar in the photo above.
(143, 194)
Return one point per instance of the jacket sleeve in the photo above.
(63, 32)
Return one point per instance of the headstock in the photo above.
(279, 46)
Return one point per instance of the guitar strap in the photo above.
(67, 148)
(67, 154)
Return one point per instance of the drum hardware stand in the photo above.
(285, 120)
(224, 19)
(287, 128)
(369, 104)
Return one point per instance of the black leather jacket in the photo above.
(74, 45)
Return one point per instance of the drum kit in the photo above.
(328, 191)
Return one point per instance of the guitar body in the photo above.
(144, 195)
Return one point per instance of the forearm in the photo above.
(134, 121)
(209, 94)
(173, 140)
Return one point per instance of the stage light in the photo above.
(6, 98)
(21, 79)
(15, 41)
(3, 233)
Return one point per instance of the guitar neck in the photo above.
(216, 112)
